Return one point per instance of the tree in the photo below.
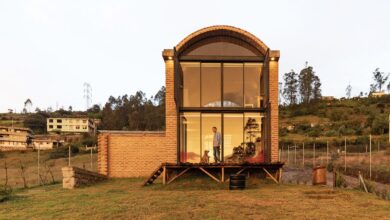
(379, 78)
(309, 85)
(348, 91)
(27, 106)
(372, 88)
(70, 108)
(290, 90)
(36, 122)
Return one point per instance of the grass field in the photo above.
(192, 199)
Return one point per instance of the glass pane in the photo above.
(233, 136)
(233, 84)
(191, 84)
(254, 151)
(252, 73)
(211, 85)
(222, 46)
(208, 122)
(190, 137)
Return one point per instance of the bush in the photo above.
(331, 133)
(63, 152)
(5, 193)
(340, 180)
(2, 154)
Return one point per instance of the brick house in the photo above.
(219, 76)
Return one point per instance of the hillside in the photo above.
(354, 118)
(192, 199)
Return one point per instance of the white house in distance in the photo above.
(70, 125)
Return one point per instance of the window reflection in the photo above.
(252, 73)
(190, 137)
(191, 84)
(233, 135)
(233, 84)
(211, 84)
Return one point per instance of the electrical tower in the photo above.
(87, 95)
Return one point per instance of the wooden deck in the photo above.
(216, 171)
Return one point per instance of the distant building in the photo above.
(70, 125)
(328, 98)
(377, 94)
(47, 142)
(15, 138)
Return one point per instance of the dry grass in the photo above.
(192, 199)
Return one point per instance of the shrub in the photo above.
(331, 133)
(2, 154)
(5, 193)
(340, 180)
(63, 152)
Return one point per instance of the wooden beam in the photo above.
(272, 177)
(210, 175)
(178, 175)
(164, 174)
(222, 174)
(280, 175)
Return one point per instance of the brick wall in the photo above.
(135, 153)
(274, 105)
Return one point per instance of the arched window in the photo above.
(221, 46)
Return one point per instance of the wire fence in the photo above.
(370, 159)
(24, 169)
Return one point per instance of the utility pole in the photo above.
(87, 95)
(303, 155)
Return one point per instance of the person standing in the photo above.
(216, 145)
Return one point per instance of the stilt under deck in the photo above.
(172, 171)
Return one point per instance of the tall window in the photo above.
(206, 84)
(211, 84)
(252, 73)
(233, 78)
(191, 84)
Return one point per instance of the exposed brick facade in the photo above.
(132, 154)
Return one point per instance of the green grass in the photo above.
(191, 199)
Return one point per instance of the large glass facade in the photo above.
(241, 136)
(233, 77)
(191, 83)
(211, 85)
(233, 134)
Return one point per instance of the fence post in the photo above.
(345, 154)
(39, 176)
(370, 156)
(91, 160)
(288, 154)
(303, 155)
(295, 154)
(69, 156)
(378, 145)
(327, 153)
(314, 154)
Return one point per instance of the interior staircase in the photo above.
(156, 173)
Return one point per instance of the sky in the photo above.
(48, 49)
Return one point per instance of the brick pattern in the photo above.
(274, 106)
(222, 30)
(75, 177)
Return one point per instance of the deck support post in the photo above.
(178, 175)
(222, 174)
(270, 175)
(210, 175)
(164, 177)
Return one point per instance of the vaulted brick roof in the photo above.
(222, 30)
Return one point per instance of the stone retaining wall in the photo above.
(74, 177)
